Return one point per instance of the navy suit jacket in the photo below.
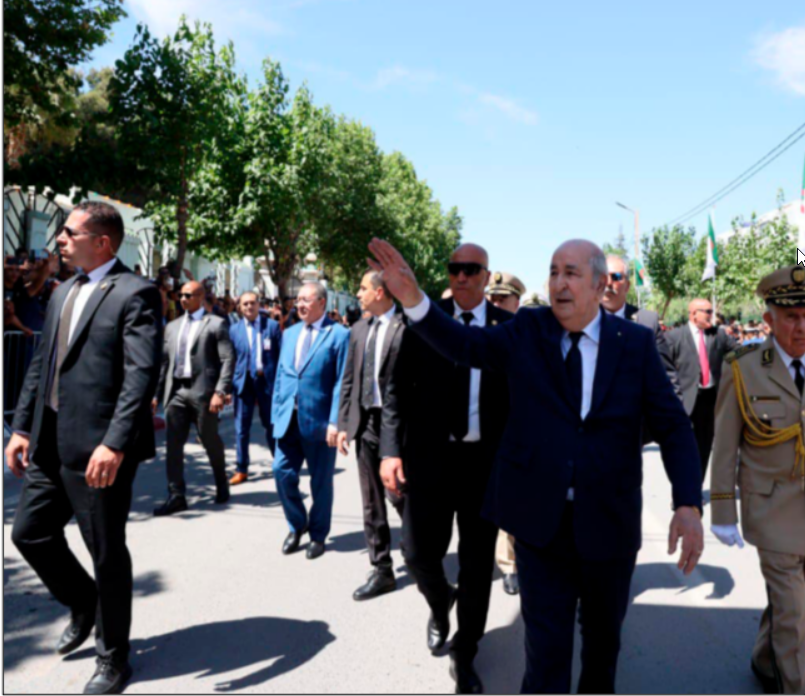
(546, 446)
(269, 332)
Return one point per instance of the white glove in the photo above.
(728, 534)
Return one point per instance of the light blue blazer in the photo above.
(316, 388)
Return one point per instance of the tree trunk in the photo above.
(665, 308)
(181, 225)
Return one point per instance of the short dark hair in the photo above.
(106, 218)
(376, 279)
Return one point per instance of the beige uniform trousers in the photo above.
(780, 646)
(504, 553)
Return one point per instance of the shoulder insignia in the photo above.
(714, 497)
(768, 357)
(745, 350)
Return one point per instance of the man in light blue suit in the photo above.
(256, 340)
(305, 416)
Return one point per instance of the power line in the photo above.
(745, 176)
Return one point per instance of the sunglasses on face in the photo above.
(186, 295)
(617, 277)
(72, 234)
(468, 269)
(706, 311)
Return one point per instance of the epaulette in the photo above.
(740, 352)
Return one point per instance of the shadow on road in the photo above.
(216, 649)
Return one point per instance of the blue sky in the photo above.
(533, 118)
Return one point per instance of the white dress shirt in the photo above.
(380, 324)
(95, 277)
(250, 335)
(195, 326)
(695, 331)
(316, 329)
(620, 313)
(418, 313)
(787, 359)
(588, 346)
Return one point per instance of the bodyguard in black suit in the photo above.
(698, 350)
(567, 479)
(442, 423)
(82, 425)
(374, 345)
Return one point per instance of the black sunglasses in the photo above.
(186, 295)
(72, 234)
(468, 269)
(617, 277)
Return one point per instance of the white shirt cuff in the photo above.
(418, 313)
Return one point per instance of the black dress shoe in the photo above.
(291, 543)
(769, 684)
(315, 549)
(222, 495)
(511, 584)
(439, 627)
(77, 632)
(176, 503)
(109, 678)
(464, 675)
(379, 583)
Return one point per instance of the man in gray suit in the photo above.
(196, 376)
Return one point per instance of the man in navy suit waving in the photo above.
(568, 474)
(256, 340)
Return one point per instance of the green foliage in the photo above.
(170, 102)
(42, 40)
(665, 255)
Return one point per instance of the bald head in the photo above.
(469, 275)
(700, 313)
(191, 296)
(577, 283)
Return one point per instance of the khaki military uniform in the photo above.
(769, 476)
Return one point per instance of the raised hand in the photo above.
(397, 274)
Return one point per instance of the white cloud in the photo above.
(227, 19)
(783, 53)
(402, 75)
(510, 108)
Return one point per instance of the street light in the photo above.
(636, 214)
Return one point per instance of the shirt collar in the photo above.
(317, 324)
(591, 331)
(195, 316)
(386, 317)
(696, 330)
(620, 313)
(101, 272)
(478, 313)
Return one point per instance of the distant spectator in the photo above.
(353, 315)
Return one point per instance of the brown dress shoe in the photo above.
(238, 478)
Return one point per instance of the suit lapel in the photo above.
(360, 346)
(610, 347)
(204, 321)
(94, 301)
(631, 312)
(391, 331)
(553, 354)
(781, 375)
(51, 339)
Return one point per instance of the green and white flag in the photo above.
(640, 273)
(712, 251)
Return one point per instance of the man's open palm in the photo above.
(397, 274)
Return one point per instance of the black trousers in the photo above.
(374, 494)
(51, 495)
(184, 409)
(554, 582)
(704, 424)
(440, 488)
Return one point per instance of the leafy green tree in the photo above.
(665, 255)
(171, 102)
(42, 40)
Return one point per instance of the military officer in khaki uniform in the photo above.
(505, 291)
(760, 415)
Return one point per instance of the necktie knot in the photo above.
(575, 337)
(467, 318)
(81, 279)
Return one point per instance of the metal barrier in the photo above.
(18, 350)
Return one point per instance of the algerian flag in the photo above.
(640, 272)
(712, 251)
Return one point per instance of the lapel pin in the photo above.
(104, 286)
(494, 322)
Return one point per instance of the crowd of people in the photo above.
(523, 426)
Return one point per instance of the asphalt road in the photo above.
(217, 607)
